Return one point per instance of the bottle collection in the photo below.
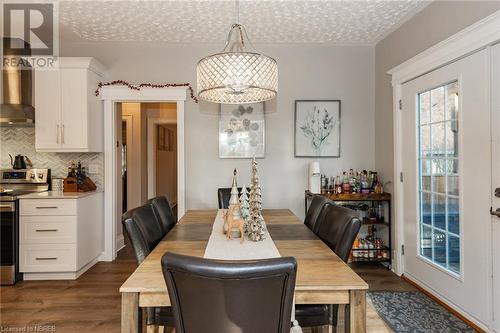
(77, 171)
(351, 181)
(369, 247)
(77, 179)
(363, 192)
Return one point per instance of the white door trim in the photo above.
(151, 152)
(112, 95)
(475, 37)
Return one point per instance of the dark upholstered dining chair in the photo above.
(163, 211)
(316, 207)
(224, 194)
(145, 231)
(215, 296)
(338, 228)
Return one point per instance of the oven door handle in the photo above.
(10, 207)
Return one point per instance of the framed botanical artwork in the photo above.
(317, 128)
(242, 130)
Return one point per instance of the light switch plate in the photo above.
(93, 168)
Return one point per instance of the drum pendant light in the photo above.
(238, 74)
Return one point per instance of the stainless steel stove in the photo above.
(14, 183)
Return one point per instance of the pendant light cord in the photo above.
(237, 18)
(237, 11)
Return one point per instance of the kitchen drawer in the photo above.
(48, 207)
(48, 229)
(42, 258)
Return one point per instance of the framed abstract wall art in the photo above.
(242, 130)
(317, 128)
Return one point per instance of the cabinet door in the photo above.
(48, 109)
(74, 110)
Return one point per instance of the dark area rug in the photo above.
(413, 311)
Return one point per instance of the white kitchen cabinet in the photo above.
(68, 115)
(61, 234)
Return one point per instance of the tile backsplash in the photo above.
(21, 140)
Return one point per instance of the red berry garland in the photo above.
(145, 85)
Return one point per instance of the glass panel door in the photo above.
(439, 223)
(445, 154)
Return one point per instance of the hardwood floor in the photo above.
(380, 278)
(69, 306)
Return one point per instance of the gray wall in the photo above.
(306, 72)
(436, 22)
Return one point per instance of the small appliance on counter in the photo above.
(13, 183)
(314, 178)
(77, 180)
(19, 163)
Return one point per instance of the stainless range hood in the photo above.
(17, 90)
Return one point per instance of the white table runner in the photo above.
(222, 248)
(219, 247)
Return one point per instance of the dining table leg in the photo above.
(131, 313)
(355, 312)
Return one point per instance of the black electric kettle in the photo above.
(18, 162)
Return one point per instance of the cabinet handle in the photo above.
(50, 258)
(47, 207)
(57, 134)
(62, 134)
(46, 230)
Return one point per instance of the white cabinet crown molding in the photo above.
(81, 63)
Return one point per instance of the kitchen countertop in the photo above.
(57, 195)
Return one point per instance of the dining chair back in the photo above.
(213, 296)
(143, 229)
(163, 211)
(224, 194)
(338, 228)
(314, 212)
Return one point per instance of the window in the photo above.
(439, 176)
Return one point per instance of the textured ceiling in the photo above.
(271, 21)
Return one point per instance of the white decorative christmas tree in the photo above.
(256, 230)
(244, 205)
(234, 199)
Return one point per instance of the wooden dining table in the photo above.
(322, 277)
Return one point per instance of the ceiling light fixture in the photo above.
(238, 74)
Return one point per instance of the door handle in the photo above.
(62, 134)
(57, 134)
(495, 212)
